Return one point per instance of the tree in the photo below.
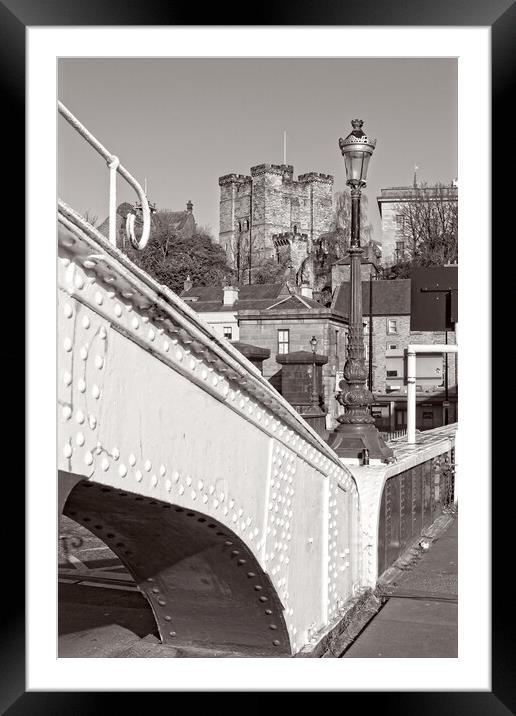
(171, 258)
(427, 225)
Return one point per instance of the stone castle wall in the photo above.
(272, 202)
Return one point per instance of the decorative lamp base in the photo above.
(350, 439)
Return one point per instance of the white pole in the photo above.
(113, 166)
(411, 395)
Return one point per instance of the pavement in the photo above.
(419, 618)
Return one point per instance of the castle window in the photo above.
(283, 341)
(228, 332)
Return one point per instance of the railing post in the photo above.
(411, 395)
(113, 165)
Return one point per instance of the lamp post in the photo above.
(315, 396)
(357, 431)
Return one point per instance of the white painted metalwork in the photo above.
(114, 165)
(411, 380)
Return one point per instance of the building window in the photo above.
(228, 332)
(392, 346)
(392, 374)
(283, 341)
(400, 221)
(392, 325)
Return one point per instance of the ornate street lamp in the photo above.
(357, 431)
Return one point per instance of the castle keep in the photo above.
(260, 210)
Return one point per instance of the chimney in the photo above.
(188, 283)
(189, 206)
(307, 291)
(230, 295)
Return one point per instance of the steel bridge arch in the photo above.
(203, 583)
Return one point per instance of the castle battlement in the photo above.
(315, 177)
(288, 237)
(278, 169)
(234, 179)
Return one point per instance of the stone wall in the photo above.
(278, 204)
(402, 338)
(331, 341)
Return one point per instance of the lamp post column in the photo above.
(356, 437)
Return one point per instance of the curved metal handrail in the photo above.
(114, 165)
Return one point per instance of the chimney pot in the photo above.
(230, 295)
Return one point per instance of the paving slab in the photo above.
(419, 619)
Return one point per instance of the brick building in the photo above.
(182, 222)
(389, 305)
(268, 203)
(389, 201)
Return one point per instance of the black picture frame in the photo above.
(500, 16)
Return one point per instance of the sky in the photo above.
(183, 122)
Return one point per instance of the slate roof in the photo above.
(250, 297)
(390, 298)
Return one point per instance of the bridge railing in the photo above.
(114, 165)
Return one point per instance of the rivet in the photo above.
(268, 611)
(88, 458)
(67, 412)
(147, 465)
(132, 460)
(241, 561)
(79, 439)
(168, 485)
(68, 310)
(200, 485)
(135, 322)
(257, 588)
(151, 335)
(122, 470)
(175, 475)
(162, 602)
(105, 464)
(138, 475)
(162, 470)
(81, 385)
(273, 627)
(103, 332)
(251, 575)
(118, 310)
(115, 453)
(154, 481)
(235, 552)
(188, 480)
(193, 495)
(95, 391)
(264, 599)
(99, 362)
(276, 642)
(67, 450)
(86, 322)
(228, 543)
(167, 618)
(215, 504)
(83, 353)
(172, 633)
(181, 489)
(98, 298)
(78, 281)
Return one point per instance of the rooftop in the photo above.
(390, 298)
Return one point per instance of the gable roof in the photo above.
(250, 297)
(390, 298)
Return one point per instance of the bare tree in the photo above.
(427, 225)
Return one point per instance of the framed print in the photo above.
(234, 91)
